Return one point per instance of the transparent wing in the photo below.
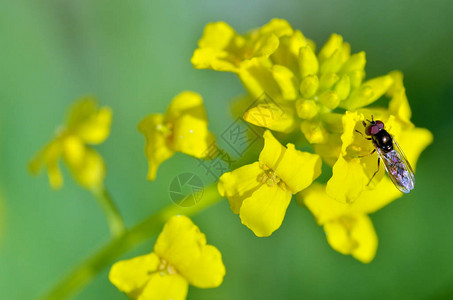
(398, 168)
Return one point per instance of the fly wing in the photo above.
(398, 168)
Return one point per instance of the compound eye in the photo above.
(368, 130)
(380, 124)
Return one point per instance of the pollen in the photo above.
(165, 268)
(165, 129)
(270, 178)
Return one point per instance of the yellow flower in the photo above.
(87, 125)
(181, 257)
(183, 128)
(313, 84)
(348, 228)
(222, 49)
(351, 173)
(260, 192)
(342, 207)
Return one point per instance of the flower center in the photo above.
(166, 129)
(270, 178)
(165, 268)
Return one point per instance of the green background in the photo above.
(135, 56)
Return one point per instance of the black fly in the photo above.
(396, 164)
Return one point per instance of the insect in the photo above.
(388, 150)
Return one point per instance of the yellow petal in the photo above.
(298, 169)
(191, 136)
(369, 92)
(348, 180)
(399, 106)
(397, 85)
(313, 131)
(264, 210)
(156, 148)
(353, 235)
(186, 103)
(270, 116)
(219, 60)
(218, 48)
(348, 228)
(372, 200)
(287, 82)
(350, 121)
(74, 150)
(132, 274)
(325, 209)
(206, 270)
(217, 35)
(183, 246)
(165, 287)
(90, 123)
(330, 150)
(49, 157)
(54, 174)
(188, 118)
(256, 76)
(308, 62)
(321, 205)
(240, 184)
(90, 172)
(272, 151)
(279, 27)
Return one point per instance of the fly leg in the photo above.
(369, 154)
(378, 164)
(363, 135)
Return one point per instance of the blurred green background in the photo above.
(135, 56)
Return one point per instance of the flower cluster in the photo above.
(181, 257)
(86, 125)
(322, 96)
(325, 95)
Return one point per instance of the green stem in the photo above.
(119, 245)
(114, 219)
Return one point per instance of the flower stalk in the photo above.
(114, 219)
(129, 239)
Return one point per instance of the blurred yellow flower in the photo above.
(181, 257)
(87, 125)
(183, 128)
(260, 192)
(222, 49)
